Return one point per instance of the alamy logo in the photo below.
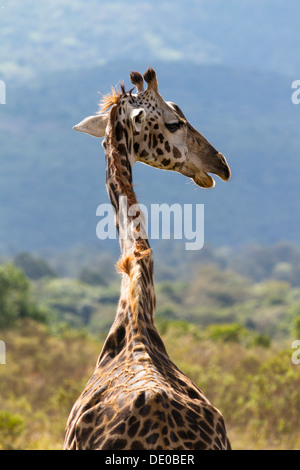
(188, 222)
(2, 353)
(296, 354)
(2, 92)
(296, 94)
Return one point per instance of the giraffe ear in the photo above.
(93, 125)
(138, 117)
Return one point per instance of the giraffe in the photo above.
(137, 399)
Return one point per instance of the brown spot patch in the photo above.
(176, 152)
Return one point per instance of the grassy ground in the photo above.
(256, 388)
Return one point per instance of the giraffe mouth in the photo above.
(201, 177)
(203, 180)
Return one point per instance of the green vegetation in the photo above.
(15, 298)
(257, 388)
(43, 375)
(34, 267)
(231, 334)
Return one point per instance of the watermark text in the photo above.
(296, 93)
(2, 92)
(296, 354)
(166, 221)
(2, 353)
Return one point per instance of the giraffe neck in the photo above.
(134, 323)
(132, 236)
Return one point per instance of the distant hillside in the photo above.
(52, 179)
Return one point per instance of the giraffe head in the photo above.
(156, 132)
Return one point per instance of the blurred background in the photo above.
(227, 313)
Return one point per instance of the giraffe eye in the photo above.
(174, 126)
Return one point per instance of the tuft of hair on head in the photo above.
(109, 100)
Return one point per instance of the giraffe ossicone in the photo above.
(137, 399)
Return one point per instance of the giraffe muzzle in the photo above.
(223, 171)
(199, 172)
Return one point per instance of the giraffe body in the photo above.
(137, 399)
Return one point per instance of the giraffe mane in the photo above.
(128, 263)
(125, 264)
(115, 163)
(112, 98)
